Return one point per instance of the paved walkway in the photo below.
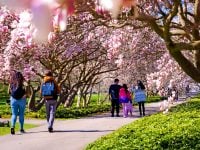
(69, 134)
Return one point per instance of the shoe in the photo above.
(118, 116)
(12, 131)
(112, 115)
(22, 131)
(50, 130)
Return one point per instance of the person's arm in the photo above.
(109, 93)
(58, 89)
(9, 89)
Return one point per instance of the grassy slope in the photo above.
(180, 129)
(6, 130)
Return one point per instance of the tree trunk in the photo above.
(78, 104)
(188, 67)
(197, 59)
(32, 104)
(70, 98)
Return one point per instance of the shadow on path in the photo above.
(83, 130)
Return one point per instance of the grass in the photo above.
(6, 130)
(178, 130)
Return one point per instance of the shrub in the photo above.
(180, 129)
(62, 112)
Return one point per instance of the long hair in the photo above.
(141, 85)
(16, 78)
(125, 87)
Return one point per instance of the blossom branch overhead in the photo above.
(51, 15)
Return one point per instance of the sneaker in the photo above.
(112, 115)
(12, 131)
(22, 131)
(118, 116)
(50, 130)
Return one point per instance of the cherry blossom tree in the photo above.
(177, 23)
(124, 38)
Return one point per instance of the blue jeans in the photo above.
(50, 111)
(18, 108)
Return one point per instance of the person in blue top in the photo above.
(114, 97)
(140, 97)
(18, 94)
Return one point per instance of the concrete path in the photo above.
(73, 134)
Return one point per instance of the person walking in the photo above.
(18, 93)
(50, 91)
(187, 91)
(114, 97)
(125, 98)
(175, 93)
(140, 97)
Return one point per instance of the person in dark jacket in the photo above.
(114, 97)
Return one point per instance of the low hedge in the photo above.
(72, 112)
(62, 112)
(178, 130)
(151, 99)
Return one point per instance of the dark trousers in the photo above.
(141, 108)
(115, 105)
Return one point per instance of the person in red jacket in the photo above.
(124, 98)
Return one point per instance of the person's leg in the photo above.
(127, 109)
(14, 109)
(124, 109)
(22, 106)
(112, 107)
(139, 103)
(53, 104)
(47, 105)
(131, 109)
(143, 109)
(117, 108)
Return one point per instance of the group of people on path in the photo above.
(121, 95)
(19, 92)
(50, 90)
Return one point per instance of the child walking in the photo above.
(124, 98)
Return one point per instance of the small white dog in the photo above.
(165, 105)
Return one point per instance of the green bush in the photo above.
(151, 99)
(72, 112)
(178, 130)
(62, 112)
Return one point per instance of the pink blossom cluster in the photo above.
(47, 15)
(168, 74)
(28, 72)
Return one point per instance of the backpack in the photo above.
(18, 93)
(48, 89)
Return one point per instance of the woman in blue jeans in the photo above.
(17, 100)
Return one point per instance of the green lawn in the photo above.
(6, 130)
(178, 130)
